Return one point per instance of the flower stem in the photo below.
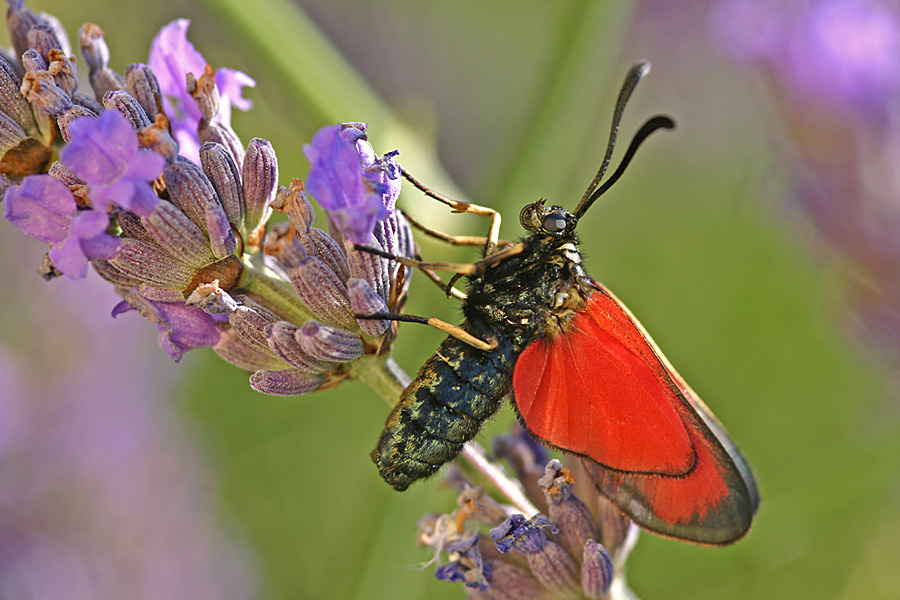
(278, 295)
(389, 380)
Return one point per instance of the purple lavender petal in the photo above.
(339, 180)
(172, 57)
(41, 208)
(181, 328)
(105, 153)
(87, 240)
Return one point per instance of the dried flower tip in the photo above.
(156, 137)
(125, 103)
(329, 343)
(205, 93)
(282, 243)
(321, 290)
(212, 299)
(294, 202)
(286, 382)
(596, 570)
(366, 301)
(474, 503)
(39, 88)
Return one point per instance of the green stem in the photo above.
(279, 295)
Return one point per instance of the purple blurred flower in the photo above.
(105, 154)
(844, 52)
(172, 57)
(43, 208)
(355, 187)
(181, 328)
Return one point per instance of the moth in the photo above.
(583, 375)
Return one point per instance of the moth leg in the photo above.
(448, 328)
(476, 268)
(490, 242)
(455, 240)
(447, 287)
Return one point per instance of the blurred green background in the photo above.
(503, 103)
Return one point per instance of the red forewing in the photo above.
(603, 390)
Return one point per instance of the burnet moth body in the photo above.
(583, 374)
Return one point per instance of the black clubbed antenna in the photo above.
(595, 190)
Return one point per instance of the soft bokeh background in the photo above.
(276, 497)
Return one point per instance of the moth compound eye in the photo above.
(554, 223)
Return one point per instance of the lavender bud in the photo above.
(260, 180)
(10, 133)
(96, 55)
(41, 90)
(223, 173)
(87, 102)
(132, 226)
(205, 93)
(160, 294)
(73, 112)
(596, 570)
(191, 191)
(178, 235)
(282, 338)
(250, 322)
(617, 532)
(510, 582)
(373, 269)
(126, 104)
(234, 350)
(151, 264)
(323, 292)
(329, 343)
(113, 275)
(42, 39)
(12, 101)
(61, 172)
(19, 21)
(365, 301)
(141, 82)
(322, 246)
(221, 237)
(567, 511)
(286, 382)
(475, 503)
(225, 136)
(156, 137)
